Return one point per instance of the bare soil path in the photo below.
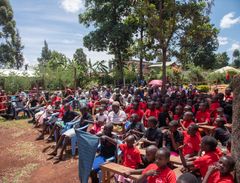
(22, 158)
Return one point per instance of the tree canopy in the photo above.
(10, 42)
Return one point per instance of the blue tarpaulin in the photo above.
(87, 147)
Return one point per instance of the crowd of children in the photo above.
(131, 118)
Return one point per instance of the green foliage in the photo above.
(216, 78)
(195, 74)
(236, 57)
(14, 83)
(111, 33)
(221, 60)
(80, 57)
(203, 88)
(45, 55)
(10, 42)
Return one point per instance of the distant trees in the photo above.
(10, 41)
(236, 58)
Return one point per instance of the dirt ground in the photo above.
(22, 159)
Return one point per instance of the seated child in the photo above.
(107, 150)
(164, 117)
(203, 116)
(221, 133)
(187, 178)
(208, 145)
(159, 171)
(146, 160)
(191, 141)
(178, 113)
(153, 135)
(187, 120)
(131, 156)
(221, 172)
(101, 119)
(172, 138)
(135, 127)
(151, 111)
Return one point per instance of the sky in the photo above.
(56, 21)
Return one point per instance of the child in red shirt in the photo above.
(208, 145)
(221, 172)
(159, 172)
(136, 110)
(131, 155)
(203, 116)
(187, 120)
(151, 111)
(178, 113)
(191, 141)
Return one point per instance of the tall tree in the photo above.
(45, 55)
(168, 21)
(10, 41)
(111, 33)
(80, 57)
(18, 48)
(221, 60)
(236, 58)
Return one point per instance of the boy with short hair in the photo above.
(101, 119)
(153, 135)
(173, 138)
(187, 120)
(159, 171)
(221, 133)
(208, 145)
(221, 172)
(191, 142)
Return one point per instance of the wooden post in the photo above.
(235, 85)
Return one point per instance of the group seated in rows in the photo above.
(128, 120)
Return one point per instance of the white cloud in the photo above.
(228, 20)
(222, 40)
(235, 46)
(72, 6)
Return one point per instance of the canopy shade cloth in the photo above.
(226, 69)
(155, 83)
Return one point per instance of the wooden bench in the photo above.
(173, 159)
(109, 168)
(116, 169)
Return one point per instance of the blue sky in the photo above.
(57, 22)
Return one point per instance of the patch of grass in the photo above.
(17, 175)
(22, 124)
(25, 150)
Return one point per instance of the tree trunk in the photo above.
(141, 56)
(120, 69)
(236, 125)
(164, 70)
(75, 78)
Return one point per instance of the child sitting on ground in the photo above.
(187, 120)
(159, 171)
(221, 172)
(173, 138)
(153, 135)
(221, 133)
(135, 127)
(208, 145)
(101, 119)
(191, 142)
